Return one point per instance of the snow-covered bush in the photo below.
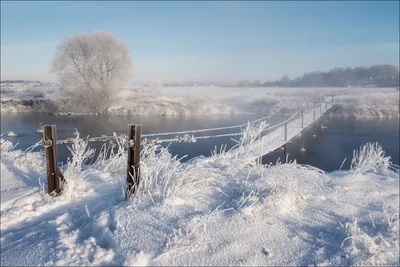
(76, 173)
(112, 158)
(370, 157)
(166, 180)
(6, 146)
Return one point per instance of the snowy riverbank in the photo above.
(182, 101)
(221, 210)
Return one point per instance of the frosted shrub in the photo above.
(112, 157)
(355, 237)
(157, 165)
(75, 173)
(6, 146)
(391, 221)
(80, 152)
(169, 182)
(251, 132)
(249, 135)
(17, 157)
(370, 157)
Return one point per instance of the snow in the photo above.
(221, 210)
(11, 134)
(192, 101)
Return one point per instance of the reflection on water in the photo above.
(326, 150)
(333, 144)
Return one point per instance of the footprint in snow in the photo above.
(265, 252)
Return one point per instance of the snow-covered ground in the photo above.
(132, 101)
(222, 210)
(188, 101)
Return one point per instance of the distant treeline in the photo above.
(374, 76)
(19, 81)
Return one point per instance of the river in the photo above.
(326, 150)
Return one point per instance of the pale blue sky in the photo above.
(198, 40)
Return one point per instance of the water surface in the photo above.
(26, 124)
(326, 150)
(333, 144)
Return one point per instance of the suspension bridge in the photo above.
(278, 136)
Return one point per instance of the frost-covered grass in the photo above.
(221, 210)
(370, 157)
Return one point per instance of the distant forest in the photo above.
(374, 76)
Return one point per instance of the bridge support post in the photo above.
(285, 153)
(285, 131)
(302, 141)
(133, 170)
(314, 112)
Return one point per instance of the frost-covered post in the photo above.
(332, 98)
(285, 153)
(53, 173)
(302, 118)
(133, 170)
(285, 131)
(314, 112)
(320, 109)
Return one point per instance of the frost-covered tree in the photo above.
(89, 68)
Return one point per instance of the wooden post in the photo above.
(332, 98)
(133, 170)
(314, 112)
(302, 140)
(284, 154)
(285, 131)
(53, 173)
(320, 109)
(259, 160)
(302, 118)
